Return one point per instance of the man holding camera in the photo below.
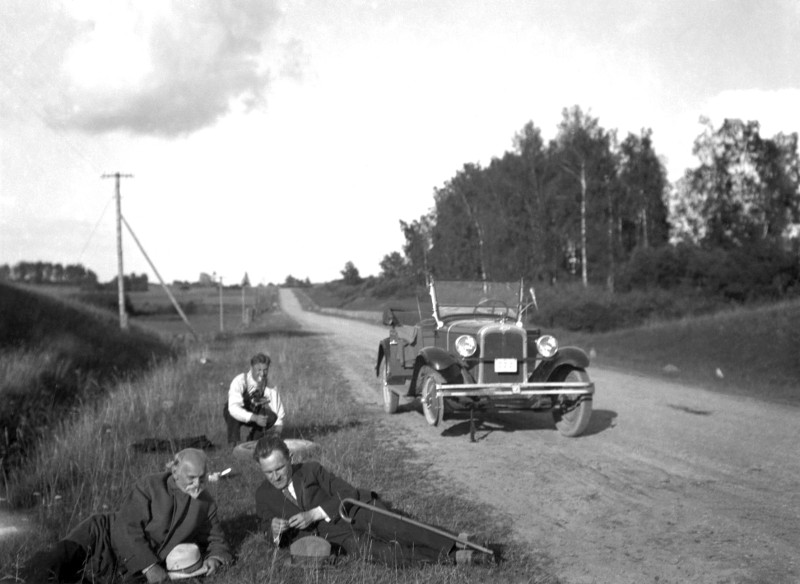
(252, 403)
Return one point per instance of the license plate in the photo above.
(505, 365)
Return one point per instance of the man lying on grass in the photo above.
(162, 512)
(299, 500)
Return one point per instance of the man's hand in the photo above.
(260, 420)
(304, 519)
(156, 574)
(211, 565)
(279, 526)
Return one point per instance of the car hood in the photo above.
(474, 326)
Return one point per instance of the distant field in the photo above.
(153, 310)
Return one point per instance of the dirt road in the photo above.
(670, 484)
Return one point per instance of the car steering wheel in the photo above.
(493, 303)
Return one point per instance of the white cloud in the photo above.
(166, 68)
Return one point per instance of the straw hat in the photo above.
(185, 561)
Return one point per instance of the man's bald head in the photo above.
(189, 471)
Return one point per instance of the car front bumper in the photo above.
(514, 389)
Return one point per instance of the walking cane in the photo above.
(344, 513)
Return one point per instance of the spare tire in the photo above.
(299, 449)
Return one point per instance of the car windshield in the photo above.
(474, 297)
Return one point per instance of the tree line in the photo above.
(69, 275)
(590, 207)
(48, 273)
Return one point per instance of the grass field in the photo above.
(86, 463)
(153, 310)
(751, 352)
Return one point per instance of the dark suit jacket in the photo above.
(315, 487)
(391, 541)
(156, 516)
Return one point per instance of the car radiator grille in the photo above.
(501, 344)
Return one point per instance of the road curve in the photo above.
(670, 484)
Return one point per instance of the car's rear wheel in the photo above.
(572, 414)
(432, 407)
(390, 399)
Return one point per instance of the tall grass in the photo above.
(86, 464)
(55, 357)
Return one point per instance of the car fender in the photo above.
(566, 356)
(435, 358)
(383, 351)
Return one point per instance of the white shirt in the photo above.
(245, 382)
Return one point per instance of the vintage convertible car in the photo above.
(476, 352)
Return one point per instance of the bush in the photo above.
(761, 271)
(594, 309)
(387, 287)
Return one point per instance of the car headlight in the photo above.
(547, 346)
(466, 345)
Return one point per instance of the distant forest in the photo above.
(588, 207)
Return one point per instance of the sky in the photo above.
(289, 137)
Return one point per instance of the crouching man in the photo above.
(252, 403)
(162, 512)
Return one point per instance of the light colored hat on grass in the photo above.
(311, 551)
(185, 561)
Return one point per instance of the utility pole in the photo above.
(123, 316)
(221, 310)
(245, 284)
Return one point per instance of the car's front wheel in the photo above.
(432, 407)
(571, 414)
(390, 399)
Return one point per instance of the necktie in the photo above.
(288, 494)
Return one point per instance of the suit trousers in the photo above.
(234, 426)
(387, 540)
(84, 555)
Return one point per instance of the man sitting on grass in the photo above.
(298, 500)
(252, 403)
(162, 511)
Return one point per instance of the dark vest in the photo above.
(248, 397)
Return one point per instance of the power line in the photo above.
(96, 225)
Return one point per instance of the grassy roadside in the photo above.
(87, 465)
(57, 356)
(753, 352)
